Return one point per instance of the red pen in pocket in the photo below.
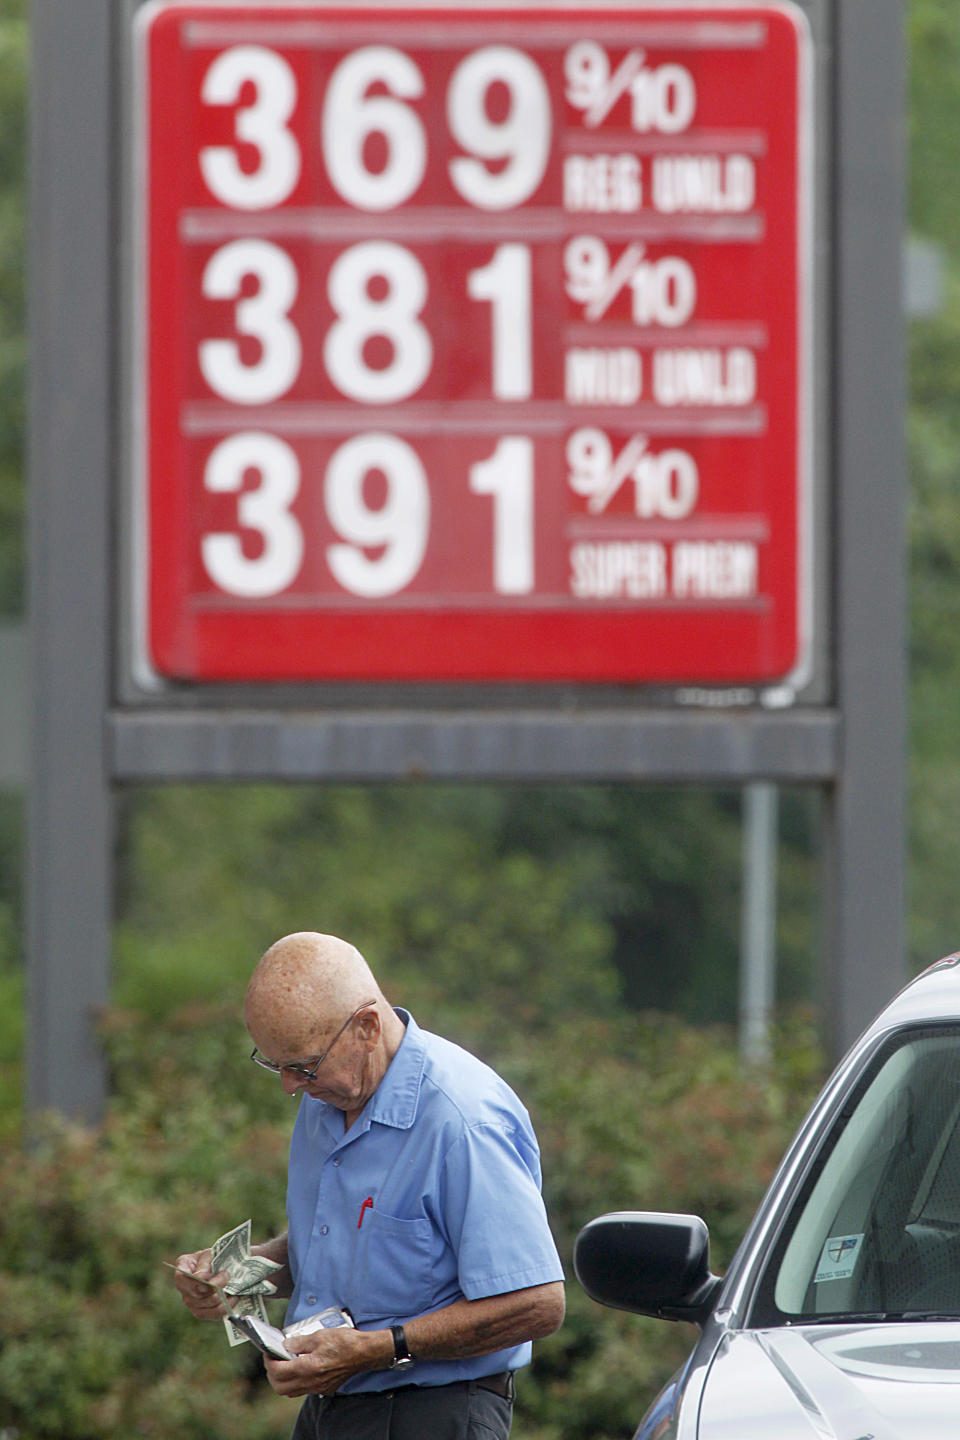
(367, 1204)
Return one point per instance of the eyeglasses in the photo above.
(301, 1071)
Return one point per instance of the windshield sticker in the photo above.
(838, 1258)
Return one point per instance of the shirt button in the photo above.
(336, 1160)
(324, 1229)
(311, 1299)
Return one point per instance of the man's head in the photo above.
(303, 992)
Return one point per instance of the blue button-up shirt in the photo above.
(431, 1196)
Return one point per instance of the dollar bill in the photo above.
(243, 1305)
(247, 1281)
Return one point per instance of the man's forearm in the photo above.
(476, 1327)
(278, 1251)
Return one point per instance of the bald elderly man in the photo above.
(413, 1200)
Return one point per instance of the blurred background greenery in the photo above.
(584, 939)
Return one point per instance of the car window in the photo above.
(876, 1229)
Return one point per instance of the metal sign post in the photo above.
(483, 393)
(70, 456)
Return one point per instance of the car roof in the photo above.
(933, 995)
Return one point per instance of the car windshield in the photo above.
(876, 1228)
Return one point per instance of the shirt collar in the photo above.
(394, 1102)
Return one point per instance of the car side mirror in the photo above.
(649, 1263)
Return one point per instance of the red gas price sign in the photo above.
(473, 342)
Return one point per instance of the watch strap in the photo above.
(401, 1350)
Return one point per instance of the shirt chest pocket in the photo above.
(394, 1267)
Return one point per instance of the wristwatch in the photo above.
(402, 1359)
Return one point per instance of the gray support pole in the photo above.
(758, 952)
(71, 256)
(865, 938)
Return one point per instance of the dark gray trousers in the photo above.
(462, 1411)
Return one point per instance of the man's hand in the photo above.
(326, 1359)
(195, 1281)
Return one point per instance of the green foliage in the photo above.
(934, 448)
(935, 623)
(94, 1343)
(604, 891)
(933, 34)
(444, 912)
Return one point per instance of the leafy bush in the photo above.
(94, 1343)
(566, 896)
